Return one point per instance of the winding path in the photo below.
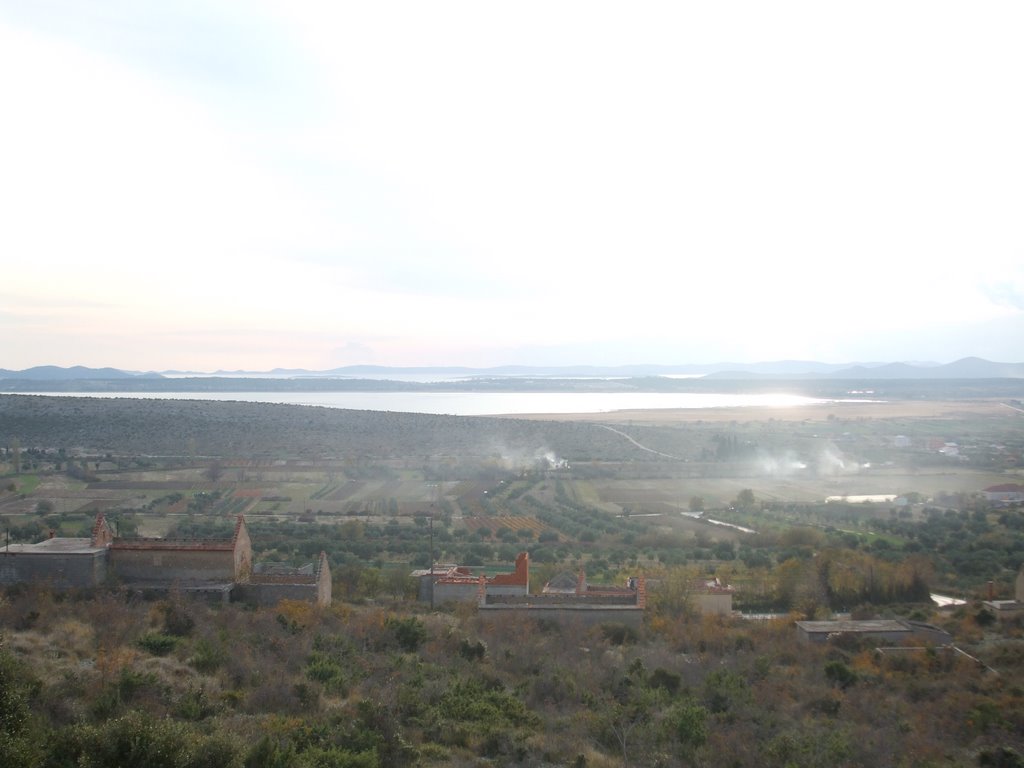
(638, 445)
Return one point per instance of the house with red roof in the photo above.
(1006, 493)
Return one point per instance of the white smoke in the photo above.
(832, 462)
(780, 465)
(524, 461)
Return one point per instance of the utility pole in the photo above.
(430, 522)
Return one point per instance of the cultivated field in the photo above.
(316, 465)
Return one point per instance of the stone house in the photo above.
(219, 569)
(712, 597)
(588, 604)
(890, 630)
(62, 563)
(142, 561)
(1008, 609)
(457, 583)
(270, 583)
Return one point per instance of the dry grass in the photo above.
(75, 638)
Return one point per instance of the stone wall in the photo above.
(324, 581)
(507, 589)
(264, 594)
(631, 616)
(64, 570)
(713, 603)
(293, 584)
(243, 551)
(170, 560)
(130, 564)
(560, 599)
(458, 592)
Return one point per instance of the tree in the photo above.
(14, 452)
(627, 710)
(622, 718)
(672, 598)
(689, 722)
(745, 499)
(399, 582)
(215, 471)
(696, 503)
(370, 582)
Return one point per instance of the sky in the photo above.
(249, 185)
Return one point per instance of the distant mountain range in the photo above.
(74, 373)
(967, 368)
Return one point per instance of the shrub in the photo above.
(270, 753)
(472, 710)
(337, 757)
(839, 674)
(662, 678)
(689, 721)
(472, 651)
(131, 683)
(619, 634)
(157, 643)
(209, 656)
(133, 741)
(16, 748)
(194, 704)
(177, 620)
(409, 632)
(1000, 757)
(327, 672)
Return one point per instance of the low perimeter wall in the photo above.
(271, 594)
(586, 615)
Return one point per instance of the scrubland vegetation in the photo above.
(377, 679)
(104, 680)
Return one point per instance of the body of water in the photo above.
(479, 403)
(700, 516)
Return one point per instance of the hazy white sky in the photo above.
(202, 185)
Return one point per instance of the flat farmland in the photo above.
(658, 494)
(191, 459)
(493, 524)
(329, 497)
